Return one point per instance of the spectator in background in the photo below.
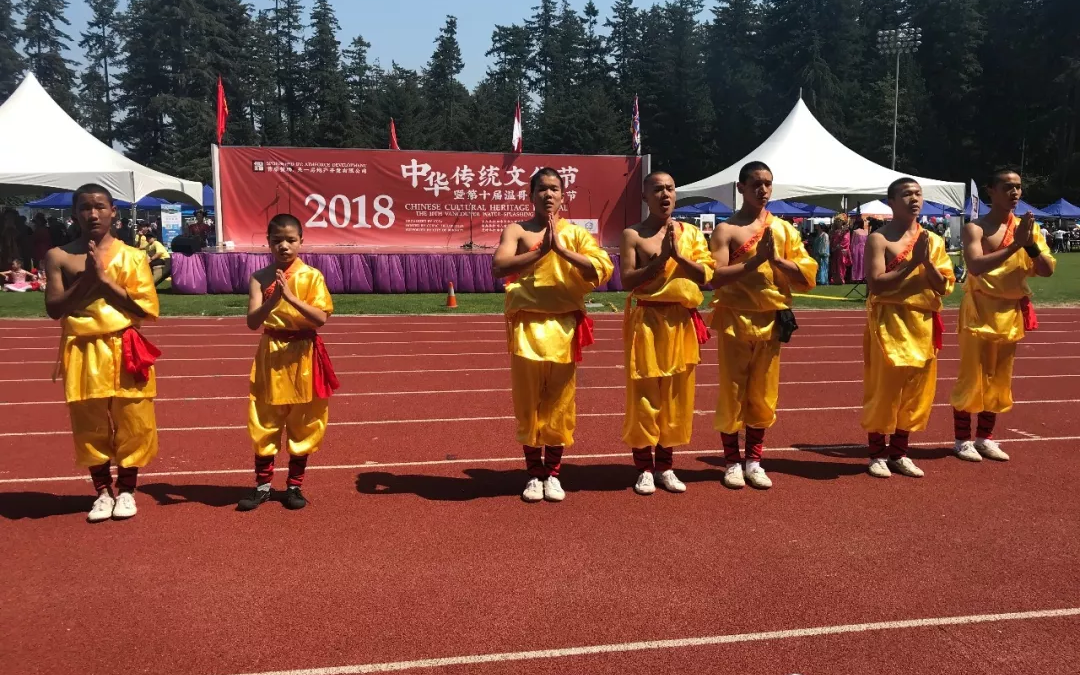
(1059, 239)
(859, 233)
(840, 255)
(57, 232)
(200, 229)
(160, 259)
(821, 254)
(124, 232)
(41, 242)
(9, 238)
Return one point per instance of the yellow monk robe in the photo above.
(543, 305)
(282, 382)
(991, 323)
(662, 349)
(97, 386)
(744, 316)
(899, 351)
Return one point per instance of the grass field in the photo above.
(1062, 289)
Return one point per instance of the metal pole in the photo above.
(896, 109)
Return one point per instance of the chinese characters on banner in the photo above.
(415, 199)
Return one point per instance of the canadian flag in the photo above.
(518, 139)
(393, 135)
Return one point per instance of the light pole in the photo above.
(896, 42)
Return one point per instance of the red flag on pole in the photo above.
(518, 139)
(393, 136)
(222, 110)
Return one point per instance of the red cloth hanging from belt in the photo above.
(700, 329)
(1031, 322)
(324, 381)
(583, 335)
(939, 331)
(139, 354)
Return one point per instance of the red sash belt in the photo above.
(1031, 322)
(583, 335)
(322, 371)
(139, 354)
(700, 329)
(939, 331)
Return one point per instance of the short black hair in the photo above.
(895, 185)
(654, 174)
(90, 189)
(283, 220)
(999, 175)
(546, 171)
(751, 167)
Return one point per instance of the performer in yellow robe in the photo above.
(907, 273)
(760, 260)
(292, 377)
(550, 265)
(1000, 252)
(101, 290)
(664, 263)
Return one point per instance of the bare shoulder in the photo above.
(875, 240)
(265, 276)
(632, 233)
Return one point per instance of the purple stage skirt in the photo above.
(352, 272)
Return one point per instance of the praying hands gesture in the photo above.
(1025, 233)
(920, 254)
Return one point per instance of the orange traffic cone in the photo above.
(451, 299)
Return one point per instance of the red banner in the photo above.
(405, 199)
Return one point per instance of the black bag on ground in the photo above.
(186, 245)
(786, 324)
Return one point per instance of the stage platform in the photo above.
(353, 272)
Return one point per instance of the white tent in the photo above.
(807, 161)
(876, 208)
(41, 146)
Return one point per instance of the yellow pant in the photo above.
(659, 410)
(543, 393)
(749, 384)
(119, 429)
(895, 397)
(304, 424)
(985, 380)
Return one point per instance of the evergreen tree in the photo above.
(269, 117)
(359, 77)
(506, 83)
(446, 99)
(736, 79)
(400, 98)
(11, 62)
(45, 44)
(623, 43)
(326, 91)
(286, 23)
(95, 90)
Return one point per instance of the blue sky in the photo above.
(404, 30)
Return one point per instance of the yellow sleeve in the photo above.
(585, 244)
(318, 295)
(795, 251)
(700, 253)
(1044, 250)
(942, 262)
(139, 284)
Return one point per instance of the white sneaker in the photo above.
(553, 491)
(125, 505)
(966, 451)
(879, 468)
(644, 484)
(671, 482)
(905, 467)
(755, 475)
(102, 508)
(733, 477)
(990, 449)
(534, 490)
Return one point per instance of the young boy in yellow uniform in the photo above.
(550, 265)
(1000, 251)
(292, 377)
(760, 260)
(101, 290)
(907, 274)
(663, 264)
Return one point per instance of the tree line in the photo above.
(993, 82)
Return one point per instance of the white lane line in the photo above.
(436, 392)
(495, 460)
(680, 643)
(493, 418)
(1026, 434)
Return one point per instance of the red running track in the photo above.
(416, 547)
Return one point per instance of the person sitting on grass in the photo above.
(160, 259)
(17, 278)
(291, 378)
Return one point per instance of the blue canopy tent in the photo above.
(62, 200)
(786, 209)
(715, 208)
(935, 210)
(812, 210)
(1021, 210)
(1063, 209)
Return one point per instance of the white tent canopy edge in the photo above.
(807, 161)
(42, 147)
